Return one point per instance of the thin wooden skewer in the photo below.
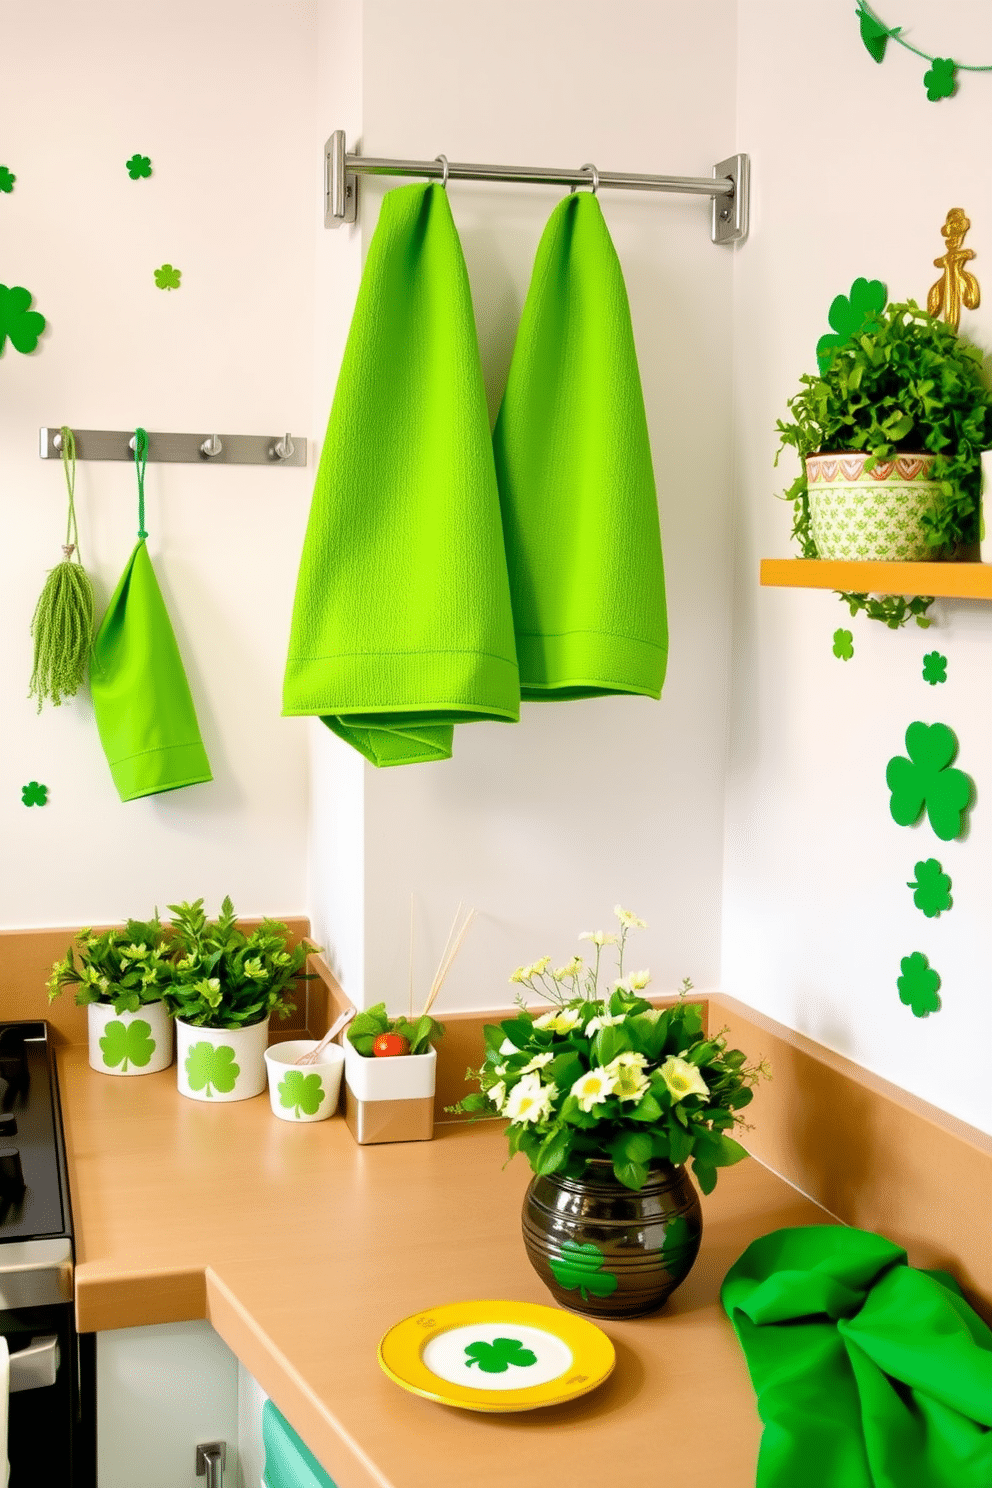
(447, 959)
(313, 1055)
(411, 958)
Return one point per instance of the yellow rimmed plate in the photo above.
(497, 1356)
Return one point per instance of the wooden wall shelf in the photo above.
(942, 580)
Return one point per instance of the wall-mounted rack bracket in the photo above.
(728, 187)
(183, 449)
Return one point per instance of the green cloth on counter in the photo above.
(141, 699)
(288, 1462)
(868, 1373)
(402, 625)
(573, 461)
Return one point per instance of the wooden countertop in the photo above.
(303, 1248)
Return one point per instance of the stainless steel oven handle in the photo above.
(36, 1366)
(35, 1273)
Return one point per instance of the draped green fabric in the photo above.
(289, 1463)
(402, 624)
(141, 699)
(573, 461)
(868, 1373)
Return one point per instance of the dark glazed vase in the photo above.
(612, 1251)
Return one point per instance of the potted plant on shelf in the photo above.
(608, 1097)
(891, 434)
(224, 987)
(120, 976)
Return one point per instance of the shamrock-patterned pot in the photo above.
(859, 513)
(608, 1250)
(129, 1043)
(306, 1092)
(221, 1064)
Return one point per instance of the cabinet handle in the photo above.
(36, 1366)
(210, 1460)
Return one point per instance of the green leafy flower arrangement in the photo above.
(126, 967)
(223, 978)
(903, 381)
(609, 1075)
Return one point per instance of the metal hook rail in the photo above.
(186, 449)
(729, 186)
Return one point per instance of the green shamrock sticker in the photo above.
(843, 644)
(918, 985)
(138, 166)
(940, 79)
(581, 1266)
(856, 314)
(7, 179)
(496, 1357)
(22, 325)
(34, 794)
(167, 277)
(934, 668)
(677, 1237)
(301, 1093)
(206, 1066)
(932, 888)
(125, 1043)
(924, 780)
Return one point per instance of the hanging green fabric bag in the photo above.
(868, 1373)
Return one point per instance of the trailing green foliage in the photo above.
(126, 967)
(419, 1033)
(222, 978)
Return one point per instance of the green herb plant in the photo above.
(420, 1033)
(904, 382)
(223, 978)
(124, 967)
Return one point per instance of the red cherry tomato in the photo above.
(389, 1044)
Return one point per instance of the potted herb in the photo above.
(224, 987)
(608, 1097)
(891, 434)
(120, 976)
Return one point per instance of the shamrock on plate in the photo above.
(925, 780)
(206, 1066)
(167, 277)
(934, 668)
(940, 79)
(301, 1093)
(496, 1357)
(843, 644)
(851, 315)
(34, 794)
(581, 1266)
(125, 1043)
(932, 888)
(918, 985)
(7, 179)
(22, 325)
(138, 166)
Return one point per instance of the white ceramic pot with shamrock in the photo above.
(225, 984)
(304, 1092)
(120, 975)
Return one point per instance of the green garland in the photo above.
(940, 80)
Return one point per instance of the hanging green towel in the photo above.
(869, 1374)
(402, 624)
(289, 1463)
(573, 461)
(141, 698)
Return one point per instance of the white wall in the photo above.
(221, 97)
(545, 825)
(854, 172)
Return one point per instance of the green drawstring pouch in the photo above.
(868, 1373)
(402, 624)
(141, 699)
(573, 462)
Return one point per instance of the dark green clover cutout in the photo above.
(301, 1093)
(843, 644)
(22, 325)
(925, 780)
(940, 79)
(496, 1357)
(7, 179)
(934, 668)
(34, 794)
(874, 34)
(932, 888)
(167, 277)
(206, 1066)
(580, 1266)
(124, 1042)
(138, 166)
(852, 315)
(918, 985)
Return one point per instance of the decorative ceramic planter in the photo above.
(308, 1092)
(389, 1100)
(612, 1251)
(858, 513)
(129, 1043)
(221, 1064)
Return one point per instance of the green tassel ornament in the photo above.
(63, 618)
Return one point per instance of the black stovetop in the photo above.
(33, 1187)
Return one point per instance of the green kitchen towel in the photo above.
(289, 1463)
(144, 710)
(573, 461)
(402, 625)
(868, 1373)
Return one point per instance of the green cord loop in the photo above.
(140, 461)
(71, 544)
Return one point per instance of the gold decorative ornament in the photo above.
(956, 287)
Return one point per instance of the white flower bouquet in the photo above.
(607, 1075)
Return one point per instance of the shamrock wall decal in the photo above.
(496, 1357)
(932, 888)
(843, 644)
(7, 179)
(581, 1266)
(934, 668)
(22, 325)
(853, 315)
(940, 79)
(34, 794)
(167, 277)
(926, 781)
(206, 1066)
(138, 166)
(301, 1093)
(918, 985)
(127, 1042)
